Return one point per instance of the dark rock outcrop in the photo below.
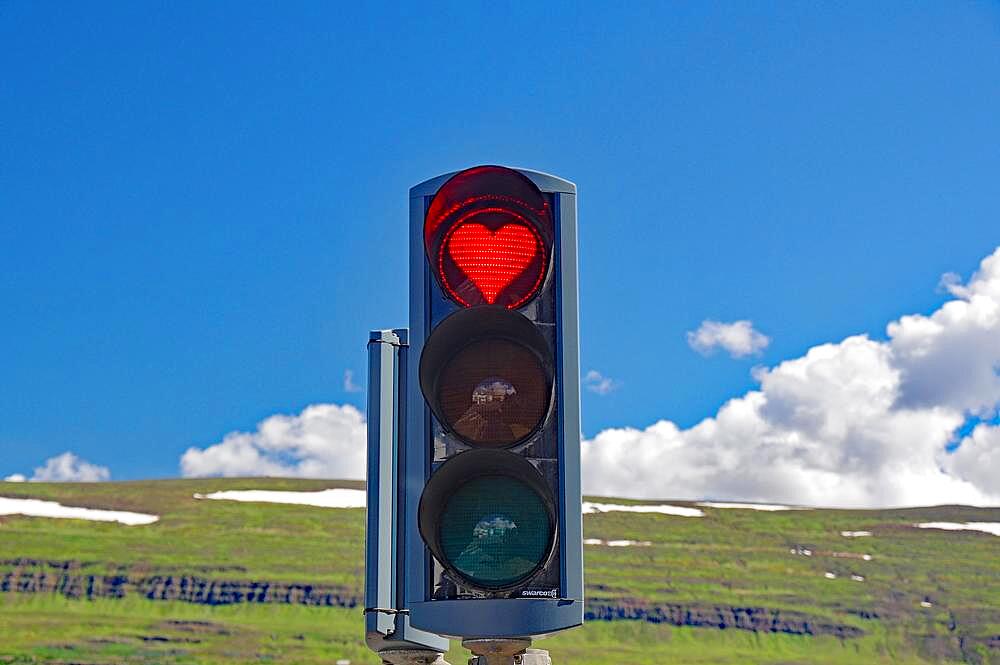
(66, 578)
(756, 619)
(183, 588)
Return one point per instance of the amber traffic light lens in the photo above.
(487, 374)
(494, 392)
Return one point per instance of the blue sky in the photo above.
(203, 206)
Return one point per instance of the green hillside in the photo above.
(227, 582)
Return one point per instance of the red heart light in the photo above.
(492, 259)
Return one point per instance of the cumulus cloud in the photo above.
(323, 441)
(951, 282)
(738, 338)
(857, 423)
(977, 460)
(349, 385)
(597, 383)
(65, 468)
(854, 423)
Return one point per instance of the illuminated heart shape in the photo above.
(492, 259)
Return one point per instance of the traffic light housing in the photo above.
(492, 503)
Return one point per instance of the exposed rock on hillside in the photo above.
(757, 619)
(66, 578)
(184, 588)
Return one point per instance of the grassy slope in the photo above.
(731, 558)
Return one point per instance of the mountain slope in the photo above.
(227, 582)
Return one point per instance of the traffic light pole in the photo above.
(484, 652)
(387, 623)
(515, 651)
(412, 657)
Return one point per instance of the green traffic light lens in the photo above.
(495, 531)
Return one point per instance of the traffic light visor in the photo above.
(488, 237)
(487, 374)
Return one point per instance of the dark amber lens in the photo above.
(493, 393)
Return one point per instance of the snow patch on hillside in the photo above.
(331, 498)
(347, 498)
(987, 527)
(769, 507)
(591, 507)
(39, 508)
(617, 543)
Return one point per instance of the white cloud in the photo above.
(738, 338)
(951, 282)
(66, 468)
(324, 441)
(978, 459)
(596, 382)
(349, 385)
(858, 423)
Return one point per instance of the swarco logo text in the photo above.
(539, 593)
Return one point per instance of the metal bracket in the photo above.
(398, 345)
(384, 610)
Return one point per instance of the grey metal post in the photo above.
(387, 627)
(412, 657)
(515, 651)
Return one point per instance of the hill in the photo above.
(229, 582)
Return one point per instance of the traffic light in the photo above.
(492, 518)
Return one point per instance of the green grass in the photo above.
(730, 558)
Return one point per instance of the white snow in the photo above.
(987, 527)
(617, 543)
(331, 498)
(855, 534)
(591, 507)
(347, 498)
(769, 507)
(39, 508)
